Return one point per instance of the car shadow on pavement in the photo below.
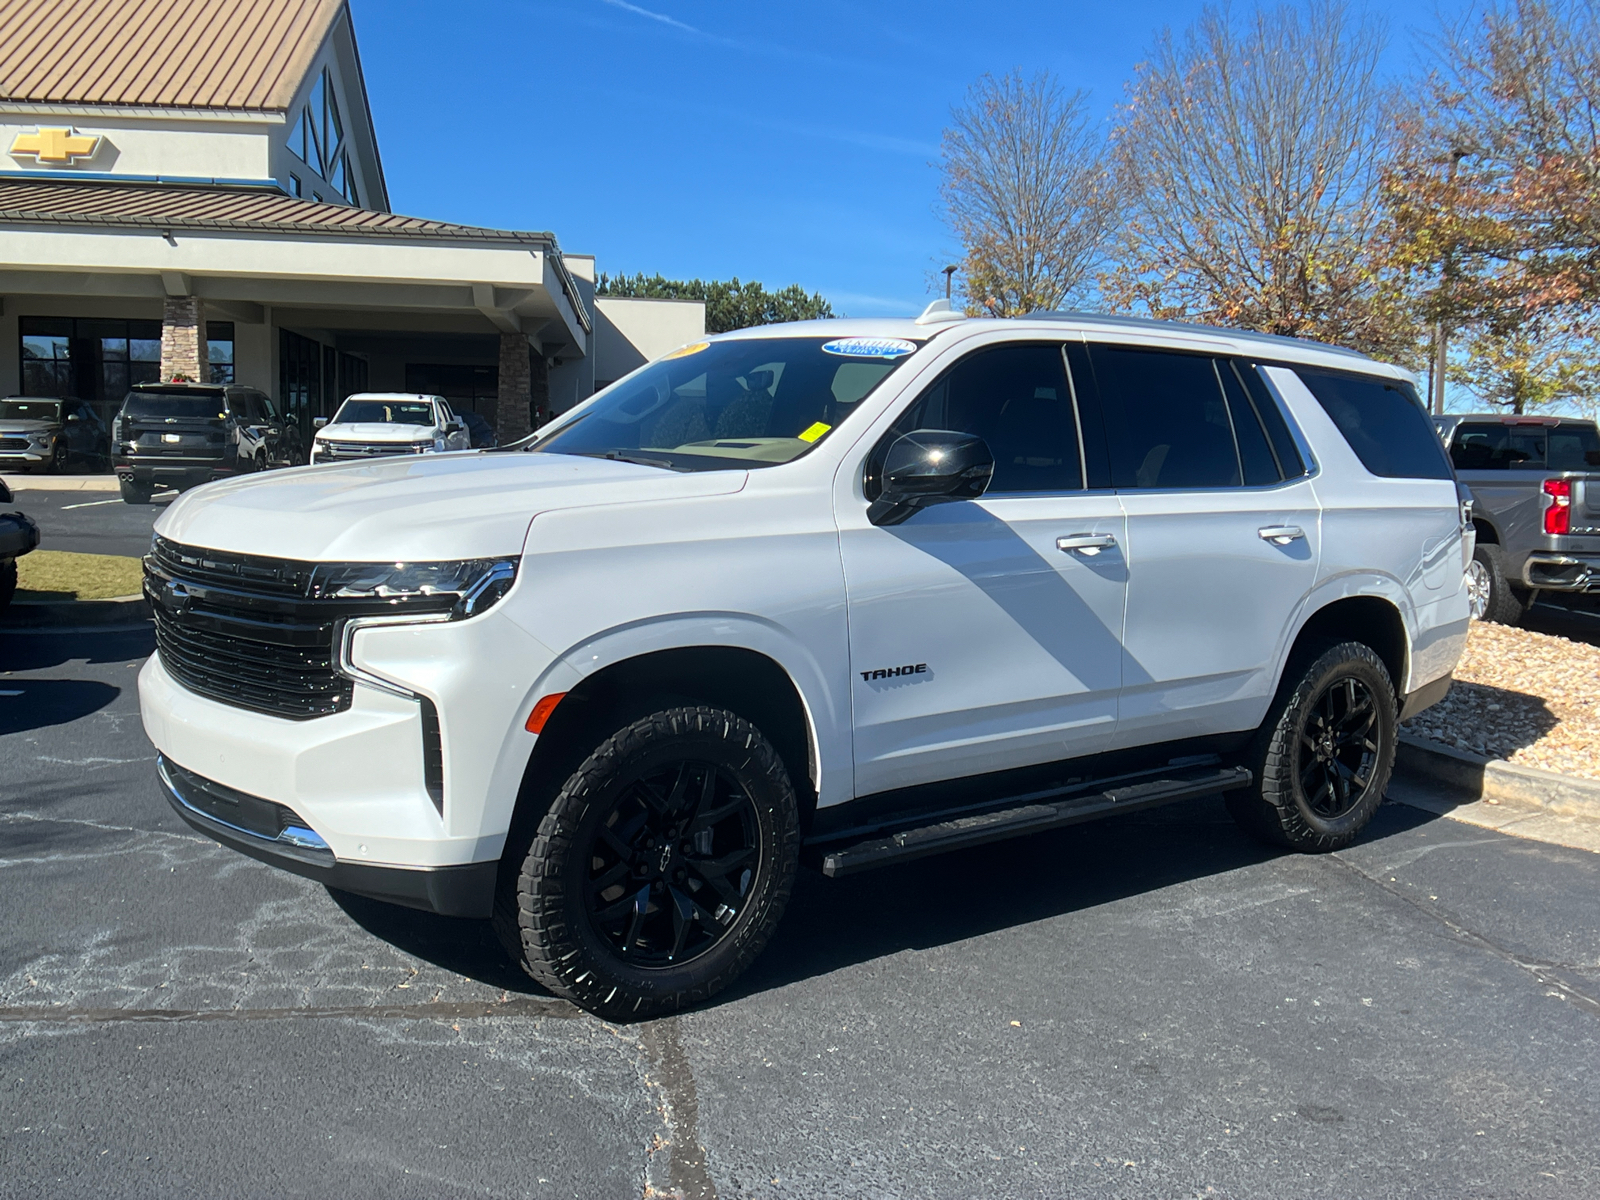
(832, 924)
(39, 650)
(1492, 721)
(467, 948)
(1576, 618)
(37, 703)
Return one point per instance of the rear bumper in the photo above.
(1557, 572)
(274, 834)
(179, 472)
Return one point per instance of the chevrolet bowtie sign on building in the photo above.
(55, 145)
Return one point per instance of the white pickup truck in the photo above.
(844, 592)
(375, 424)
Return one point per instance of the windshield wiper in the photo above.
(641, 459)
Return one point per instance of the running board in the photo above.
(1031, 818)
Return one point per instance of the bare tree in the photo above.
(1025, 190)
(1250, 156)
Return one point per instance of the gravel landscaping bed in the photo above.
(1530, 698)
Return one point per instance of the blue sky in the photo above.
(781, 142)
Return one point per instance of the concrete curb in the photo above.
(22, 614)
(62, 483)
(1495, 779)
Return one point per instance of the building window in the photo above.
(299, 378)
(352, 375)
(219, 351)
(318, 140)
(91, 359)
(476, 388)
(294, 184)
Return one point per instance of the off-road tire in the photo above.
(1508, 603)
(1276, 808)
(135, 493)
(539, 912)
(8, 582)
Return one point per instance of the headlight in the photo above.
(472, 584)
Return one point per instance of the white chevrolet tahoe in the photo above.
(372, 424)
(843, 592)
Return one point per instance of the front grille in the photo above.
(259, 633)
(243, 629)
(13, 443)
(331, 449)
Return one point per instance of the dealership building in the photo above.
(193, 188)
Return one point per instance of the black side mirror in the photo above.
(931, 466)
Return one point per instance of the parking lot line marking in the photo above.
(91, 503)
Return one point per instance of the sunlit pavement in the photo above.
(1148, 1007)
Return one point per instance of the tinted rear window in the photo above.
(1493, 446)
(1384, 422)
(1166, 419)
(164, 404)
(1574, 448)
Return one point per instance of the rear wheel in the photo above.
(1502, 602)
(135, 493)
(1324, 756)
(661, 868)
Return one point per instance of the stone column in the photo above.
(183, 340)
(539, 388)
(516, 369)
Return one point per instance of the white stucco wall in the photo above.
(629, 332)
(169, 148)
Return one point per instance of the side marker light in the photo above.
(542, 710)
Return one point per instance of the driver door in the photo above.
(977, 642)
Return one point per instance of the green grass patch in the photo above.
(56, 575)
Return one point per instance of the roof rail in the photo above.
(1271, 339)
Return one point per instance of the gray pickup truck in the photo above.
(1535, 485)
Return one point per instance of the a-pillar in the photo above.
(183, 340)
(515, 394)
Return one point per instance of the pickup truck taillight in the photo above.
(1558, 516)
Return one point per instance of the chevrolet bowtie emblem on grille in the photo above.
(55, 145)
(176, 596)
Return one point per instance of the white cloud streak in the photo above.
(654, 16)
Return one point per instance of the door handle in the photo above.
(1281, 535)
(1088, 544)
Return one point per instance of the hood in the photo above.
(415, 509)
(28, 426)
(375, 431)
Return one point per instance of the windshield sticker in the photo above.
(815, 432)
(685, 351)
(869, 347)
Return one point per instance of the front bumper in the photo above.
(1557, 572)
(25, 458)
(276, 835)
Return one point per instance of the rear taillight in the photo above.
(1558, 516)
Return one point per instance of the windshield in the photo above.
(746, 402)
(30, 410)
(385, 412)
(163, 404)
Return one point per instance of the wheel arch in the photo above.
(1369, 617)
(628, 673)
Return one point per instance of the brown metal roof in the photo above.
(249, 54)
(135, 206)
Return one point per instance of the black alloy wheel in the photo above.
(671, 865)
(660, 868)
(1336, 755)
(59, 456)
(1323, 757)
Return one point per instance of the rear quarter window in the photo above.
(1382, 420)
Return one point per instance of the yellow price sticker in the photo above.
(685, 351)
(815, 432)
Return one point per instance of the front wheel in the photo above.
(661, 868)
(1323, 758)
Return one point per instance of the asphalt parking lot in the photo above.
(88, 522)
(1152, 1006)
(1148, 1007)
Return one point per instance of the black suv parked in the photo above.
(184, 434)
